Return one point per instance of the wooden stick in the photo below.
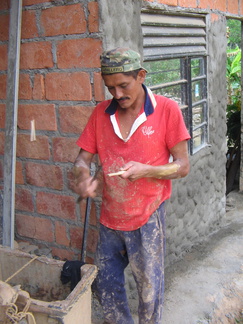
(116, 173)
(32, 131)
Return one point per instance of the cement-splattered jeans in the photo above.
(144, 249)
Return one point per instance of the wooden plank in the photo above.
(11, 123)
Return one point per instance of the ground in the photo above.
(207, 285)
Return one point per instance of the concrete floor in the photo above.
(207, 285)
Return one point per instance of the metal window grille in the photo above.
(174, 49)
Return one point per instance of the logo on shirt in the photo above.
(147, 130)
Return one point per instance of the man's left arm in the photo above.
(178, 168)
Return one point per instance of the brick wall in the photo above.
(59, 86)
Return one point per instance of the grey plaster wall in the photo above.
(120, 24)
(197, 205)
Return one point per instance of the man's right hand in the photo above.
(86, 188)
(84, 185)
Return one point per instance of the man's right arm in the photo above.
(84, 184)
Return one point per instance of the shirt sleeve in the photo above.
(87, 139)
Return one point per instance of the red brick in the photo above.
(3, 86)
(4, 4)
(32, 2)
(76, 237)
(79, 53)
(36, 55)
(44, 175)
(169, 2)
(4, 27)
(93, 18)
(213, 4)
(204, 4)
(3, 57)
(65, 149)
(63, 20)
(44, 116)
(1, 170)
(2, 139)
(92, 240)
(34, 227)
(61, 235)
(214, 17)
(19, 173)
(187, 3)
(68, 86)
(39, 87)
(29, 27)
(233, 6)
(38, 149)
(218, 5)
(70, 179)
(74, 118)
(62, 254)
(24, 200)
(2, 115)
(92, 216)
(89, 260)
(99, 92)
(25, 88)
(56, 205)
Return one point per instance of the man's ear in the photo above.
(141, 76)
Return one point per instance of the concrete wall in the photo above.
(120, 24)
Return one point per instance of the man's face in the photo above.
(125, 89)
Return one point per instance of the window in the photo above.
(175, 58)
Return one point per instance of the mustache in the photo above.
(122, 98)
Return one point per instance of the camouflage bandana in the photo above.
(120, 60)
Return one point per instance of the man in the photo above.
(134, 135)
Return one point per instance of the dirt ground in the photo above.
(206, 286)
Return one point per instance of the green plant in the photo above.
(234, 33)
(233, 115)
(233, 76)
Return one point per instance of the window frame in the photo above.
(157, 26)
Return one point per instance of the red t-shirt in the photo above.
(128, 205)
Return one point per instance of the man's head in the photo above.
(120, 60)
(123, 75)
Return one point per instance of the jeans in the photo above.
(144, 249)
